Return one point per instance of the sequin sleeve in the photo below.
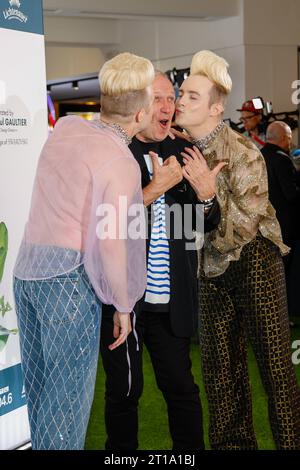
(242, 191)
(247, 202)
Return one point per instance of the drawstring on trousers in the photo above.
(127, 351)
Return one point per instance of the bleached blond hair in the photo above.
(123, 84)
(215, 68)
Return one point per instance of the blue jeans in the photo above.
(59, 321)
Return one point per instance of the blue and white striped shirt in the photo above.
(158, 267)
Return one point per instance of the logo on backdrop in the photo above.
(14, 12)
(15, 3)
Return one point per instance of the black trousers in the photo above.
(172, 366)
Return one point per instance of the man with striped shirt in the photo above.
(158, 269)
(166, 318)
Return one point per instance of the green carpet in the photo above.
(153, 428)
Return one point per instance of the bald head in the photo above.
(280, 134)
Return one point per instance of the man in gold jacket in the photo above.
(242, 285)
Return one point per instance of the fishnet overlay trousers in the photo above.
(248, 303)
(59, 322)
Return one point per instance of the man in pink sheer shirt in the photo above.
(76, 253)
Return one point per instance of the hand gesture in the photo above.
(181, 134)
(164, 177)
(122, 328)
(198, 174)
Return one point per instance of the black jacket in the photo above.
(183, 304)
(283, 191)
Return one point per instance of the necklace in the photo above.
(205, 141)
(118, 130)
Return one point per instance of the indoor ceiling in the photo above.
(204, 10)
(61, 14)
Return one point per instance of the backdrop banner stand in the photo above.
(23, 131)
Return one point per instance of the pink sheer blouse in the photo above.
(87, 198)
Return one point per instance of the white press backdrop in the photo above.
(23, 131)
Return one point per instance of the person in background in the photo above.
(284, 194)
(283, 190)
(242, 294)
(296, 162)
(167, 315)
(68, 264)
(252, 119)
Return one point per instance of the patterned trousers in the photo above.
(248, 302)
(59, 323)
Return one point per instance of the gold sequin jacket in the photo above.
(242, 193)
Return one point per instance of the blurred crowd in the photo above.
(282, 158)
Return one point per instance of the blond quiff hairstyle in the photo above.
(123, 82)
(215, 68)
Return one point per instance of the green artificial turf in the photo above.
(153, 422)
